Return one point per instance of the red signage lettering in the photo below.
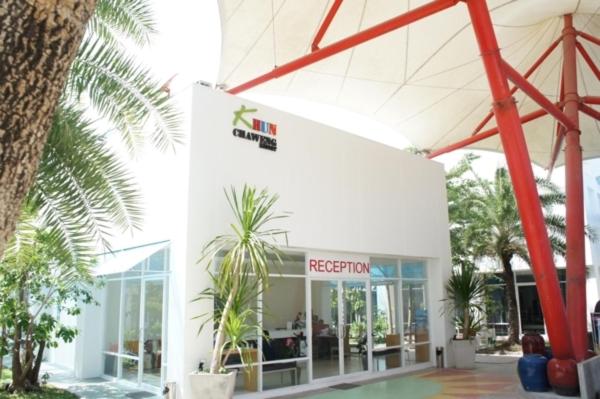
(338, 266)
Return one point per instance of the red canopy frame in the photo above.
(568, 343)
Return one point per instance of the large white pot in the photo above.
(464, 353)
(212, 386)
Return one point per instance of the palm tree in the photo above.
(499, 232)
(80, 182)
(248, 252)
(83, 191)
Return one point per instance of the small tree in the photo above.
(39, 279)
(248, 252)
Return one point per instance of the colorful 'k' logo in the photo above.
(239, 116)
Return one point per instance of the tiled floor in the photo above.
(94, 388)
(489, 381)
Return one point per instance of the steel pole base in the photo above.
(562, 375)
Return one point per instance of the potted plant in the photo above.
(465, 290)
(248, 250)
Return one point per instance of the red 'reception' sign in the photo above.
(337, 265)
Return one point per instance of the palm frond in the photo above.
(82, 191)
(125, 93)
(132, 19)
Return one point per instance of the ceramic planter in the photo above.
(212, 386)
(464, 353)
(532, 373)
(533, 343)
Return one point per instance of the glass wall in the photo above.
(415, 312)
(135, 312)
(377, 324)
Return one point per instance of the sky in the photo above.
(188, 46)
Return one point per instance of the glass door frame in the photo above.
(341, 325)
(120, 355)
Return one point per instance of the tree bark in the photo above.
(511, 301)
(38, 41)
(34, 373)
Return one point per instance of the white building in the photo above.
(352, 200)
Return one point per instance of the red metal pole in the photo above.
(484, 135)
(560, 132)
(349, 42)
(325, 25)
(519, 166)
(576, 296)
(536, 96)
(588, 60)
(591, 100)
(589, 37)
(590, 111)
(528, 73)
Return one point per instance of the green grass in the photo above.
(45, 393)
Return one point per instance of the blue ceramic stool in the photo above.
(532, 373)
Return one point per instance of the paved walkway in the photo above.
(487, 381)
(94, 388)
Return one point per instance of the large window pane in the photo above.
(325, 329)
(414, 269)
(131, 317)
(153, 312)
(386, 325)
(111, 364)
(384, 268)
(113, 300)
(282, 375)
(416, 324)
(284, 319)
(417, 354)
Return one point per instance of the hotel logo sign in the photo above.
(253, 129)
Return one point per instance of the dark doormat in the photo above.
(344, 387)
(140, 395)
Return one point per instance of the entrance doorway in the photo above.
(339, 327)
(135, 323)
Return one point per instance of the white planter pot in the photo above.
(212, 386)
(464, 353)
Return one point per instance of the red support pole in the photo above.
(528, 73)
(591, 100)
(519, 166)
(349, 42)
(536, 96)
(576, 296)
(483, 135)
(560, 132)
(325, 25)
(589, 37)
(588, 60)
(590, 111)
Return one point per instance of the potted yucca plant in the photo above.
(249, 250)
(465, 289)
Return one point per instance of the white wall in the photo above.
(346, 193)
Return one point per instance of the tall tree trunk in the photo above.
(34, 372)
(511, 301)
(38, 41)
(17, 382)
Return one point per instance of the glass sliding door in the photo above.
(153, 326)
(131, 329)
(325, 329)
(354, 337)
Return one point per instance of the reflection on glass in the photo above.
(325, 344)
(384, 268)
(284, 374)
(385, 323)
(355, 325)
(130, 369)
(415, 354)
(113, 300)
(153, 308)
(131, 317)
(416, 326)
(413, 269)
(284, 319)
(157, 261)
(111, 365)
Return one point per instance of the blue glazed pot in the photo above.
(532, 373)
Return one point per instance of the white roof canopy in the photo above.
(426, 81)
